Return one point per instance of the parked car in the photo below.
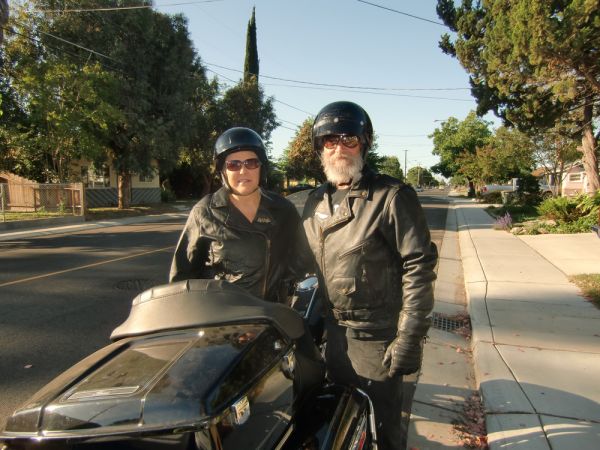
(546, 191)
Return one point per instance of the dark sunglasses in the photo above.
(333, 140)
(235, 165)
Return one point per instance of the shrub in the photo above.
(491, 197)
(167, 195)
(561, 209)
(504, 222)
(589, 204)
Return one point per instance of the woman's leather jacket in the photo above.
(218, 242)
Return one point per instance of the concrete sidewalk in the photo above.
(536, 341)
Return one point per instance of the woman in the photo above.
(242, 233)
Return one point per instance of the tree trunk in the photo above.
(588, 148)
(124, 189)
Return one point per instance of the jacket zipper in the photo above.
(267, 255)
(267, 262)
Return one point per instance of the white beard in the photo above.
(342, 169)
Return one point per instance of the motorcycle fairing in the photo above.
(150, 384)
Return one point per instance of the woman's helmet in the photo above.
(343, 118)
(237, 139)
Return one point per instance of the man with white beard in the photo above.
(375, 263)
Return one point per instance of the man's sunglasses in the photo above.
(332, 140)
(235, 165)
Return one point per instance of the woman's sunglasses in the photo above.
(235, 165)
(332, 140)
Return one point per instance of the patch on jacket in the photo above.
(263, 220)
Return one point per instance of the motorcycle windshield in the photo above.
(157, 382)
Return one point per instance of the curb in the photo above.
(503, 399)
(40, 223)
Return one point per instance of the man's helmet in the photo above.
(237, 139)
(343, 118)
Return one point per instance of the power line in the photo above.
(71, 43)
(57, 49)
(293, 107)
(403, 13)
(337, 85)
(391, 94)
(120, 8)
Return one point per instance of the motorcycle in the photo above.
(200, 365)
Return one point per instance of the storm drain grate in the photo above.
(446, 323)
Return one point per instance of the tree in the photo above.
(453, 138)
(54, 108)
(251, 61)
(391, 166)
(3, 18)
(554, 149)
(419, 176)
(244, 105)
(132, 95)
(508, 154)
(531, 63)
(299, 159)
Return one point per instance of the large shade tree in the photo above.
(138, 66)
(507, 154)
(453, 139)
(532, 62)
(299, 160)
(390, 165)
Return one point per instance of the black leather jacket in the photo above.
(375, 256)
(219, 243)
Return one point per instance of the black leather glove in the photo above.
(404, 355)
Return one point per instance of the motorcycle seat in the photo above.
(200, 303)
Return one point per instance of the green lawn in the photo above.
(11, 216)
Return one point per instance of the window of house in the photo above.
(575, 177)
(99, 176)
(146, 178)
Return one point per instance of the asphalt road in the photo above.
(62, 295)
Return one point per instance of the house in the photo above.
(101, 184)
(574, 180)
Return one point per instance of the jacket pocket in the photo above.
(344, 286)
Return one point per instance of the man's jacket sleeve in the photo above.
(406, 229)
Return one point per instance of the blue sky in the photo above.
(339, 42)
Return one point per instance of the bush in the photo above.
(491, 197)
(589, 204)
(573, 215)
(167, 196)
(561, 209)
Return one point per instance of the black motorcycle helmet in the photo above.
(343, 118)
(237, 139)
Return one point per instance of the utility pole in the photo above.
(405, 168)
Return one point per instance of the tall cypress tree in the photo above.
(251, 62)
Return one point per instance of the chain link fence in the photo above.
(22, 201)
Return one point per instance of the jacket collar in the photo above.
(221, 205)
(360, 189)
